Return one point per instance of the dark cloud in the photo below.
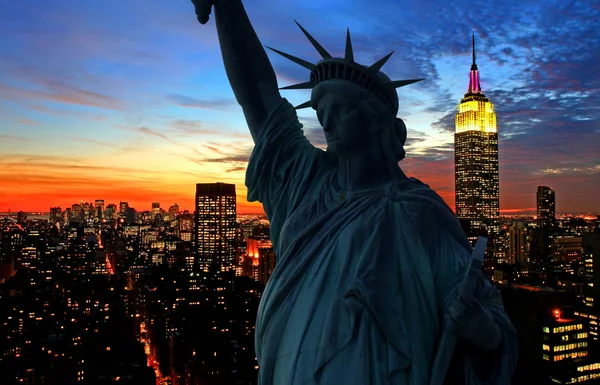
(411, 141)
(446, 123)
(238, 158)
(236, 169)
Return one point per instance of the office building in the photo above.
(546, 220)
(215, 226)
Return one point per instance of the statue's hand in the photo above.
(470, 319)
(203, 9)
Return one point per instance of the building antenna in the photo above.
(474, 47)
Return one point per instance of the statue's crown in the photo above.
(370, 78)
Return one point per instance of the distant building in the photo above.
(567, 247)
(258, 262)
(123, 206)
(173, 211)
(476, 160)
(518, 249)
(99, 209)
(111, 212)
(546, 220)
(130, 215)
(156, 210)
(215, 226)
(591, 300)
(56, 215)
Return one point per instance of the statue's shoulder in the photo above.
(424, 208)
(413, 192)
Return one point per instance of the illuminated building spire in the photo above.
(474, 86)
(476, 162)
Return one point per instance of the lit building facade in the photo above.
(578, 371)
(476, 160)
(566, 349)
(591, 300)
(567, 247)
(564, 339)
(215, 226)
(258, 260)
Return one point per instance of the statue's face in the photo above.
(348, 124)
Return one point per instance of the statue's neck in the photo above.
(365, 170)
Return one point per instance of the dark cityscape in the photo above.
(97, 294)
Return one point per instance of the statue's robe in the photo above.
(363, 279)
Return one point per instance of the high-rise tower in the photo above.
(476, 160)
(215, 221)
(99, 209)
(546, 220)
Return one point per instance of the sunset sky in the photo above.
(128, 100)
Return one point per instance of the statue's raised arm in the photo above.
(248, 68)
(283, 162)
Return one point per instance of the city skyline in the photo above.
(133, 97)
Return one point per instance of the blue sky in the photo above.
(128, 100)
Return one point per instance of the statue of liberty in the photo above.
(369, 285)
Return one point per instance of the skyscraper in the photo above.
(546, 219)
(111, 212)
(173, 211)
(215, 221)
(518, 250)
(123, 206)
(476, 160)
(99, 210)
(155, 209)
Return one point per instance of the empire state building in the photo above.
(476, 160)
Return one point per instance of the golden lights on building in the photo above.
(476, 159)
(565, 349)
(215, 226)
(564, 339)
(476, 114)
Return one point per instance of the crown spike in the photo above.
(401, 83)
(303, 105)
(322, 51)
(296, 60)
(379, 63)
(349, 53)
(299, 86)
